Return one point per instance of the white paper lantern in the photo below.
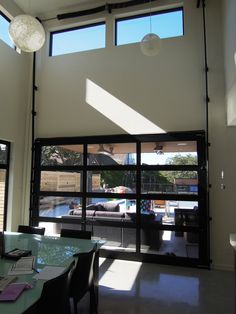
(27, 33)
(150, 45)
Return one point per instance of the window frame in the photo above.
(202, 229)
(6, 167)
(73, 29)
(8, 20)
(157, 12)
(5, 17)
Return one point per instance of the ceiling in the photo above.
(50, 8)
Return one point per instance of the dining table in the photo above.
(48, 251)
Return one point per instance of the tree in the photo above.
(57, 155)
(182, 160)
(183, 174)
(113, 178)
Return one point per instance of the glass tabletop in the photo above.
(49, 251)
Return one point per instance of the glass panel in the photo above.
(129, 239)
(112, 206)
(3, 154)
(61, 181)
(108, 181)
(166, 242)
(112, 235)
(186, 217)
(133, 29)
(112, 154)
(63, 155)
(4, 35)
(169, 153)
(115, 212)
(2, 196)
(172, 212)
(57, 206)
(171, 243)
(81, 39)
(177, 182)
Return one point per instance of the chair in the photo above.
(31, 229)
(80, 234)
(82, 280)
(55, 295)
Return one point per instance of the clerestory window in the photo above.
(78, 39)
(4, 25)
(165, 24)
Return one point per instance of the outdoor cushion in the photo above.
(78, 212)
(109, 207)
(109, 214)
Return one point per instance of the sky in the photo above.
(128, 31)
(165, 25)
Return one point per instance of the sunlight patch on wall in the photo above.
(118, 112)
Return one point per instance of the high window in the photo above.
(163, 23)
(4, 25)
(145, 195)
(4, 173)
(82, 38)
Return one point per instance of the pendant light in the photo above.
(27, 33)
(150, 45)
(103, 150)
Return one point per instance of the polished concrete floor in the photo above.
(142, 288)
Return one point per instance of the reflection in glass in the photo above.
(56, 206)
(169, 153)
(111, 181)
(57, 251)
(112, 154)
(61, 181)
(189, 292)
(62, 155)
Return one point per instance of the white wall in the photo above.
(229, 9)
(160, 88)
(223, 151)
(14, 91)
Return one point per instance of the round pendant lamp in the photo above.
(27, 33)
(150, 45)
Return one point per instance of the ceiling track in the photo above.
(107, 7)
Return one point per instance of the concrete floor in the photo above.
(142, 288)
